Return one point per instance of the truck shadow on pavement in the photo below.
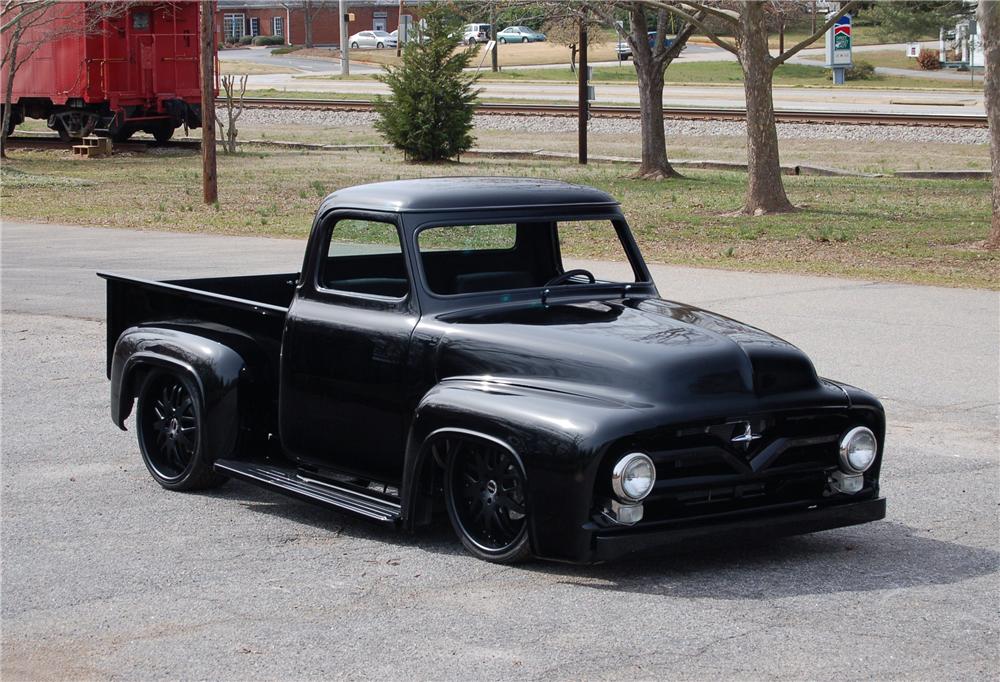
(884, 555)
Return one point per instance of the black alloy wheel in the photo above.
(486, 496)
(170, 429)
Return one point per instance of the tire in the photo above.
(472, 41)
(524, 40)
(503, 41)
(379, 46)
(485, 492)
(354, 46)
(170, 426)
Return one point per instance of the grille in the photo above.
(700, 470)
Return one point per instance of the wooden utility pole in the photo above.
(494, 62)
(210, 187)
(399, 31)
(584, 103)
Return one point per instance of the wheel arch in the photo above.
(215, 370)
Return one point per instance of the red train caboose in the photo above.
(113, 68)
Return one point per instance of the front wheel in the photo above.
(503, 41)
(170, 425)
(163, 132)
(524, 40)
(486, 497)
(380, 45)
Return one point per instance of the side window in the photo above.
(364, 257)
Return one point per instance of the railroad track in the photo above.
(677, 113)
(47, 141)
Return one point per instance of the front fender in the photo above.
(560, 439)
(214, 368)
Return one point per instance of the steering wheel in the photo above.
(568, 275)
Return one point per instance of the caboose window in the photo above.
(140, 21)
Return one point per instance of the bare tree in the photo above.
(234, 109)
(27, 25)
(310, 8)
(565, 30)
(765, 189)
(989, 23)
(651, 61)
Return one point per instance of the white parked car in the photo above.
(371, 39)
(476, 33)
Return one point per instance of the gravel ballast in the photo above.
(624, 126)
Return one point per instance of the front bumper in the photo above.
(736, 527)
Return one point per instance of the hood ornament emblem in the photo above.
(747, 437)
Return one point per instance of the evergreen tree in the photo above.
(429, 114)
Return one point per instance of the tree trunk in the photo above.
(308, 19)
(989, 23)
(765, 189)
(8, 88)
(654, 164)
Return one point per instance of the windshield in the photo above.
(466, 259)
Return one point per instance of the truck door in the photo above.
(345, 401)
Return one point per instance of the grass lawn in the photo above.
(680, 73)
(252, 68)
(884, 229)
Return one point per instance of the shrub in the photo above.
(268, 40)
(860, 71)
(928, 60)
(429, 114)
(286, 49)
(246, 40)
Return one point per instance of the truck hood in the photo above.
(635, 351)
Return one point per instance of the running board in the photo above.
(291, 482)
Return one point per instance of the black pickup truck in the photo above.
(437, 352)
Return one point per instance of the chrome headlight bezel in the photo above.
(619, 476)
(845, 449)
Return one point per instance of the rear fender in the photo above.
(214, 368)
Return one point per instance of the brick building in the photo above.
(237, 18)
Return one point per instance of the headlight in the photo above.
(857, 450)
(633, 477)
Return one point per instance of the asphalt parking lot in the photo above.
(106, 575)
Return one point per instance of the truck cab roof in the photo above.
(466, 193)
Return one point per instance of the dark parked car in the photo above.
(624, 50)
(438, 351)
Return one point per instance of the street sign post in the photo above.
(838, 48)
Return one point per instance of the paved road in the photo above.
(107, 575)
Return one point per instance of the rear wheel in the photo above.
(485, 492)
(170, 425)
(524, 40)
(354, 46)
(163, 132)
(379, 45)
(503, 41)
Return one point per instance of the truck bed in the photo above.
(245, 312)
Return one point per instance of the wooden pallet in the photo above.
(93, 147)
